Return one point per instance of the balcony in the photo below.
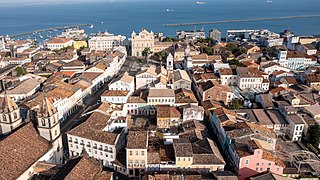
(100, 148)
(95, 147)
(76, 142)
(81, 143)
(70, 140)
(88, 145)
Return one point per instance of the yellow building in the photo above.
(136, 149)
(79, 44)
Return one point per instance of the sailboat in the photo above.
(269, 1)
(170, 10)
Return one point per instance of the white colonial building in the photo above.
(139, 42)
(58, 43)
(125, 83)
(103, 41)
(96, 140)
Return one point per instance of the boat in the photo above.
(91, 26)
(269, 1)
(170, 10)
(101, 22)
(201, 2)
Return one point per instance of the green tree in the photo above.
(243, 50)
(206, 49)
(235, 104)
(20, 71)
(232, 47)
(146, 52)
(236, 62)
(314, 135)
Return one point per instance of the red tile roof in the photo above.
(20, 150)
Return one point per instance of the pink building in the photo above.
(258, 162)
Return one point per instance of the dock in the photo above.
(242, 20)
(49, 29)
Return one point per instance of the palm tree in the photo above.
(146, 52)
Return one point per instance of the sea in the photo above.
(125, 16)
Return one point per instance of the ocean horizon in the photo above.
(124, 16)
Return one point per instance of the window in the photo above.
(130, 152)
(257, 164)
(268, 169)
(277, 169)
(43, 122)
(15, 115)
(142, 153)
(137, 153)
(246, 162)
(269, 164)
(261, 169)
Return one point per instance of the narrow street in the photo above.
(75, 118)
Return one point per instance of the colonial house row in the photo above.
(247, 146)
(96, 139)
(245, 78)
(146, 102)
(146, 152)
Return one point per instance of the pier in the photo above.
(49, 29)
(242, 20)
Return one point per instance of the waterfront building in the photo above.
(295, 60)
(2, 44)
(139, 42)
(77, 34)
(58, 43)
(215, 34)
(191, 35)
(104, 41)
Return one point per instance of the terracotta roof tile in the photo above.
(20, 150)
(93, 127)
